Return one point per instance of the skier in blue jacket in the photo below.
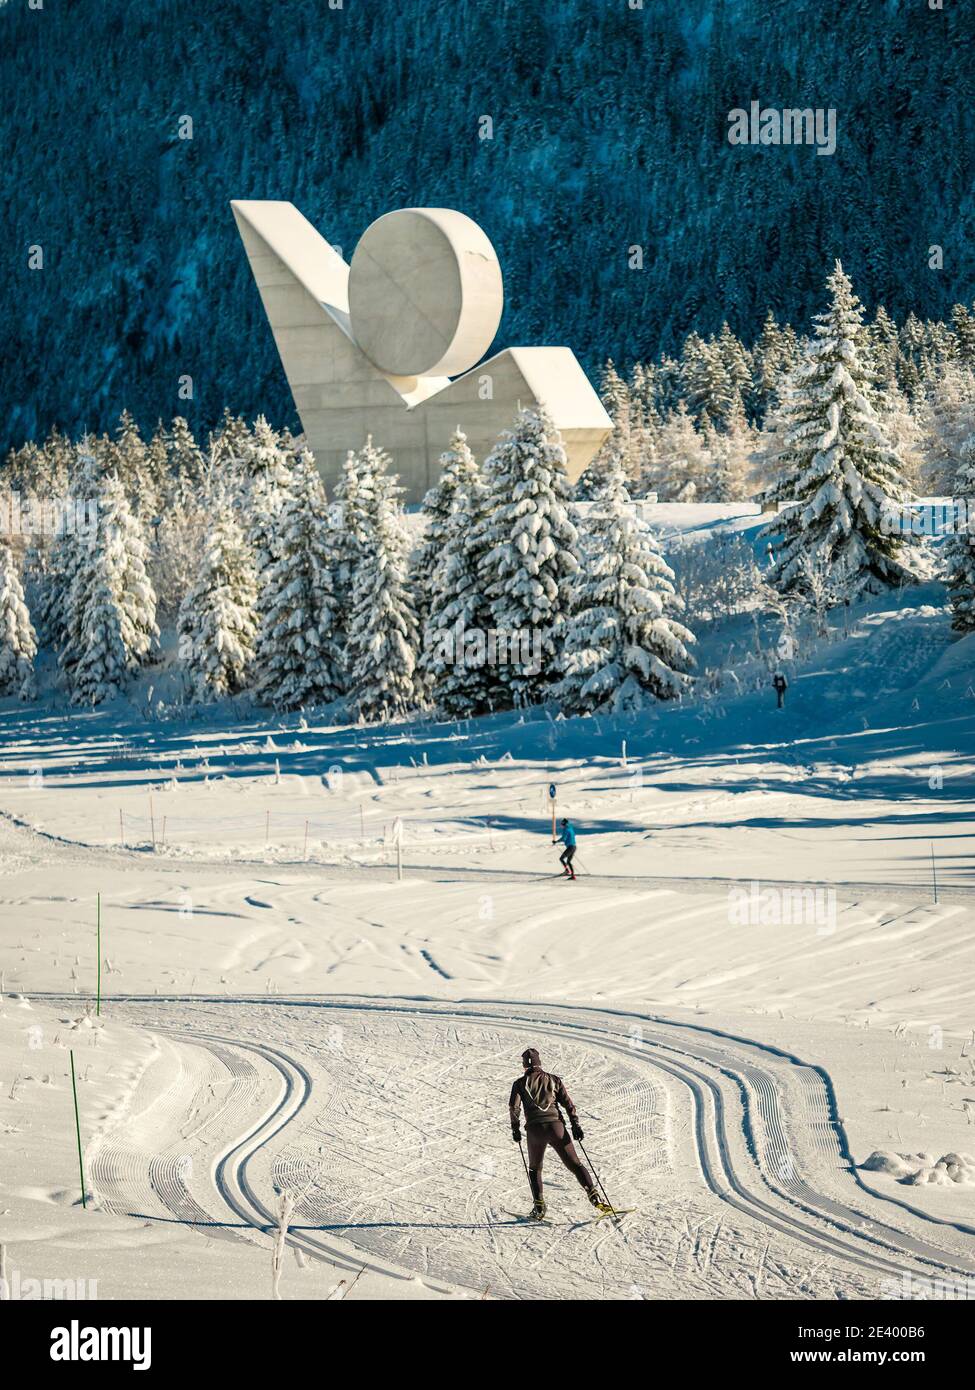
(567, 838)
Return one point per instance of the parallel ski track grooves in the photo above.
(230, 1167)
(801, 1216)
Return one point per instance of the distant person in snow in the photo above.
(780, 685)
(567, 838)
(540, 1094)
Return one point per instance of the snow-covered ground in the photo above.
(764, 975)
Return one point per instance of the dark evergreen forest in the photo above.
(609, 131)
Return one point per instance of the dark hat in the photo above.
(530, 1057)
(565, 820)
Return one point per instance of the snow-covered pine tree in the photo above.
(885, 348)
(458, 471)
(640, 460)
(776, 354)
(838, 472)
(267, 485)
(136, 469)
(901, 428)
(383, 639)
(685, 469)
(946, 416)
(667, 385)
(296, 658)
(180, 538)
(217, 625)
(643, 394)
(111, 604)
(529, 542)
(738, 364)
(51, 566)
(229, 447)
(59, 456)
(186, 462)
(18, 644)
(649, 481)
(963, 323)
(453, 660)
(349, 528)
(730, 450)
(959, 548)
(268, 474)
(708, 388)
(625, 646)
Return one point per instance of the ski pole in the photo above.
(528, 1175)
(595, 1174)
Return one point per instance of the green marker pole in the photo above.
(77, 1126)
(98, 929)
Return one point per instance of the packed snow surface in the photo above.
(323, 949)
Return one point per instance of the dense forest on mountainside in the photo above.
(609, 131)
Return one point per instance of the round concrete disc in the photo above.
(425, 292)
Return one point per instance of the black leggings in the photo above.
(567, 856)
(539, 1138)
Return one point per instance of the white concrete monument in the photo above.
(371, 348)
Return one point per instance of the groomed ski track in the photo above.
(748, 1118)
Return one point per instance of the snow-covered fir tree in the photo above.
(217, 625)
(640, 461)
(684, 468)
(458, 470)
(453, 660)
(885, 349)
(946, 417)
(625, 645)
(268, 483)
(902, 430)
(730, 450)
(296, 657)
(739, 364)
(963, 324)
(51, 563)
(959, 548)
(708, 387)
(775, 355)
(180, 537)
(228, 449)
(18, 643)
(185, 456)
(382, 638)
(529, 547)
(137, 470)
(838, 472)
(111, 629)
(349, 522)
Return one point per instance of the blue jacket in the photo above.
(568, 836)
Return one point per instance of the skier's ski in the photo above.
(526, 1219)
(614, 1212)
(521, 1218)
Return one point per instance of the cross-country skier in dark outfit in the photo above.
(540, 1094)
(567, 838)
